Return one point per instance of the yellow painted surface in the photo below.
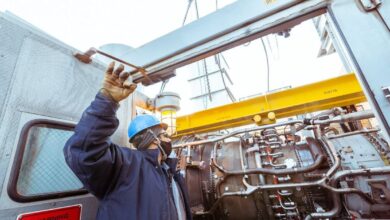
(340, 91)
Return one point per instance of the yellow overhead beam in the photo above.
(340, 91)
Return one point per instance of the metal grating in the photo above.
(44, 169)
(44, 77)
(11, 39)
(40, 78)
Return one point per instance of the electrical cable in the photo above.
(269, 44)
(226, 63)
(218, 61)
(266, 57)
(187, 10)
(163, 84)
(277, 46)
(196, 9)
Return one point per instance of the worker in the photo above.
(130, 183)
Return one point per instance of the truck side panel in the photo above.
(40, 79)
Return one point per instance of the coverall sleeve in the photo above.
(91, 155)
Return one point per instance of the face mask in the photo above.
(167, 146)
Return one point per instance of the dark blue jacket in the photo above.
(130, 184)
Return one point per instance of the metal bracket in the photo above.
(386, 91)
(86, 58)
(370, 5)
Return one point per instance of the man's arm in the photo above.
(89, 152)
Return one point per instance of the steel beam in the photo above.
(247, 20)
(340, 91)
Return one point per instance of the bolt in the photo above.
(257, 118)
(271, 115)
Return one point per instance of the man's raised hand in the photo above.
(115, 83)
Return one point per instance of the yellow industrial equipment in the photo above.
(339, 91)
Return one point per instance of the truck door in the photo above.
(44, 90)
(366, 36)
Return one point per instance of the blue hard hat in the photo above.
(141, 123)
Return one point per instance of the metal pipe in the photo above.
(335, 197)
(213, 156)
(273, 155)
(284, 193)
(345, 118)
(333, 212)
(289, 185)
(266, 199)
(243, 165)
(338, 119)
(353, 133)
(315, 149)
(330, 176)
(360, 172)
(289, 207)
(251, 189)
(237, 132)
(143, 101)
(188, 155)
(86, 58)
(259, 165)
(334, 157)
(349, 191)
(335, 111)
(322, 183)
(318, 161)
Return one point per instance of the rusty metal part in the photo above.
(86, 58)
